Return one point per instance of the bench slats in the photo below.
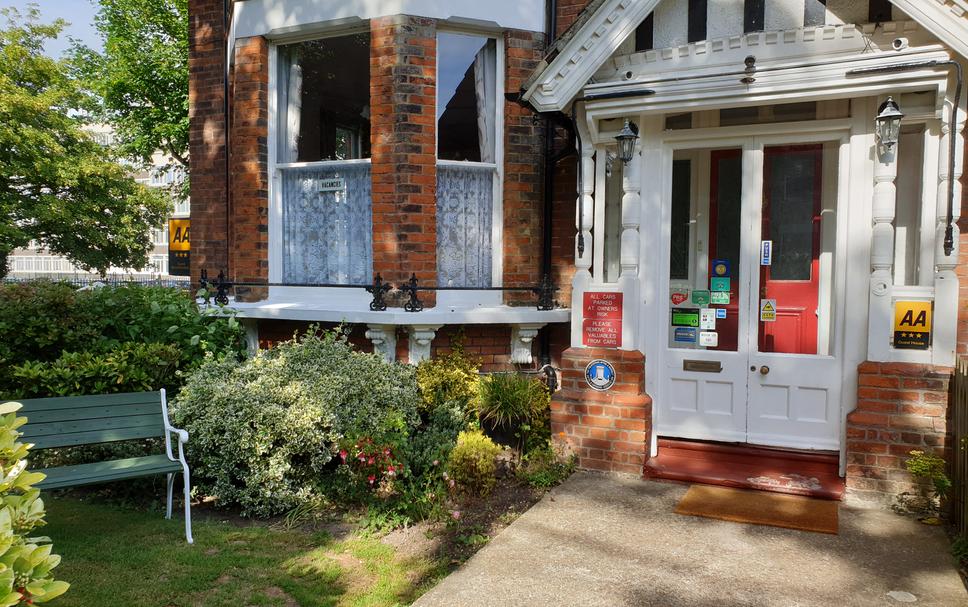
(101, 472)
(105, 412)
(80, 402)
(91, 438)
(151, 424)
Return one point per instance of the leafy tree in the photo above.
(58, 187)
(142, 75)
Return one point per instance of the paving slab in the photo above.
(599, 540)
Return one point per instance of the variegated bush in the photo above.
(26, 562)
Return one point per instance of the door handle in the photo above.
(764, 370)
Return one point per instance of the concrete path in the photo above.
(599, 540)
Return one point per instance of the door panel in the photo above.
(765, 382)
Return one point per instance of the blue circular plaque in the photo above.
(600, 375)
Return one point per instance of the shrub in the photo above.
(930, 468)
(42, 320)
(435, 439)
(447, 380)
(508, 400)
(545, 467)
(471, 463)
(265, 429)
(131, 367)
(26, 576)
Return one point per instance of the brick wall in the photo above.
(272, 332)
(568, 11)
(900, 407)
(248, 161)
(403, 119)
(563, 229)
(206, 135)
(608, 430)
(490, 344)
(523, 170)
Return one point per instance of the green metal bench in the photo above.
(92, 420)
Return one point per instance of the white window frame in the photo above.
(349, 299)
(483, 297)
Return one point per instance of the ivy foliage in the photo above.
(59, 187)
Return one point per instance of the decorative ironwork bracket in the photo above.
(413, 304)
(378, 289)
(222, 287)
(546, 293)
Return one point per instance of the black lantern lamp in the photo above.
(888, 123)
(626, 141)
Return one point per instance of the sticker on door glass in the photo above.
(700, 298)
(684, 335)
(767, 310)
(685, 317)
(718, 284)
(707, 319)
(766, 252)
(679, 296)
(709, 339)
(719, 297)
(721, 268)
(720, 313)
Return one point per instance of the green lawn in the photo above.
(114, 556)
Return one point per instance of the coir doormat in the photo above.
(760, 508)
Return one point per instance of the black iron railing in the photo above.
(218, 289)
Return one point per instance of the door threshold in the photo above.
(791, 471)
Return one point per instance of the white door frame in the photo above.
(654, 328)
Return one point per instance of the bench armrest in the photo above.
(182, 434)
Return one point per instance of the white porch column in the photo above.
(945, 280)
(628, 279)
(522, 337)
(881, 318)
(584, 217)
(384, 340)
(421, 337)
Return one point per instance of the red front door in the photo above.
(792, 184)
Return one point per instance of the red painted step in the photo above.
(810, 473)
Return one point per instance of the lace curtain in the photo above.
(327, 225)
(290, 104)
(464, 217)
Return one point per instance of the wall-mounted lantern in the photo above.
(626, 141)
(887, 126)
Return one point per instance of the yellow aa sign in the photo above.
(179, 235)
(912, 325)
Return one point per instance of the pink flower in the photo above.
(436, 462)
(451, 482)
(342, 454)
(370, 461)
(391, 470)
(386, 452)
(455, 514)
(371, 478)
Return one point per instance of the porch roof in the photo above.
(604, 24)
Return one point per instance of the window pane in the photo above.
(681, 197)
(324, 99)
(466, 97)
(464, 219)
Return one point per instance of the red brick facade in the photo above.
(206, 139)
(900, 407)
(608, 430)
(249, 162)
(403, 139)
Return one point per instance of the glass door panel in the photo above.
(725, 227)
(791, 222)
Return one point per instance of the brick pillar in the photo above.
(403, 141)
(523, 170)
(609, 430)
(900, 407)
(206, 136)
(249, 158)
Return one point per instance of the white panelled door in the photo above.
(751, 269)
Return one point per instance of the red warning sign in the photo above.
(602, 320)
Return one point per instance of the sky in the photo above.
(80, 14)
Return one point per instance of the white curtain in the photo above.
(485, 88)
(290, 102)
